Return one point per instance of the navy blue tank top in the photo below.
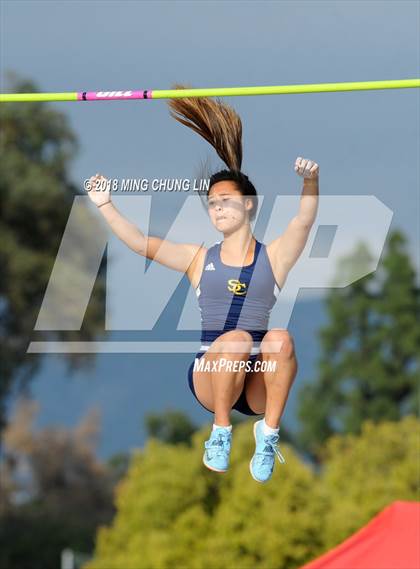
(236, 297)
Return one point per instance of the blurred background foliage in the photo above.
(173, 512)
(37, 146)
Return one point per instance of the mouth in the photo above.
(220, 218)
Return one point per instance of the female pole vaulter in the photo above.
(232, 201)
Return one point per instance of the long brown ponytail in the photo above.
(215, 121)
(219, 124)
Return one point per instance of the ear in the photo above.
(249, 204)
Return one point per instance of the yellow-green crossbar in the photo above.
(289, 89)
(215, 92)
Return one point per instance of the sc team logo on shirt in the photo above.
(236, 287)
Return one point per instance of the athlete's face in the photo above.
(227, 207)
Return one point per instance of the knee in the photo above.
(235, 341)
(277, 342)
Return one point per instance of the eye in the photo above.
(213, 203)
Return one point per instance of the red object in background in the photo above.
(390, 541)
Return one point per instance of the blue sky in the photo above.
(364, 142)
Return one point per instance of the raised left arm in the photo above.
(287, 248)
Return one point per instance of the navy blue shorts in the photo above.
(241, 405)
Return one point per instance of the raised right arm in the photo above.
(177, 256)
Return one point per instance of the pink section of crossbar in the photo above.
(111, 95)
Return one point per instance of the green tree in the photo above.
(369, 363)
(54, 492)
(172, 427)
(364, 473)
(118, 465)
(173, 512)
(36, 148)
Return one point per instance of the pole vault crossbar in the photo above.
(213, 92)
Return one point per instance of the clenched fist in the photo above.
(306, 168)
(98, 190)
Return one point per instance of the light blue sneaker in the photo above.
(262, 463)
(217, 453)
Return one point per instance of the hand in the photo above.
(306, 168)
(98, 190)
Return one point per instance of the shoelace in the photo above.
(271, 445)
(220, 441)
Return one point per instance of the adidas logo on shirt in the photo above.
(210, 267)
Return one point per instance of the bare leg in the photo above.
(279, 382)
(218, 390)
(267, 391)
(227, 387)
